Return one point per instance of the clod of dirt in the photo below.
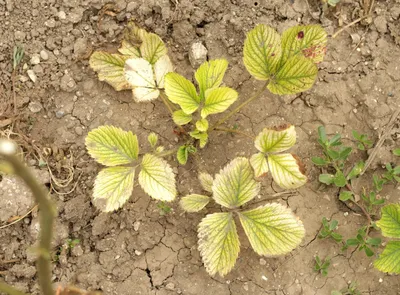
(80, 47)
(35, 107)
(197, 54)
(381, 24)
(67, 83)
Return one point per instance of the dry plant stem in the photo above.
(235, 131)
(13, 91)
(19, 219)
(46, 218)
(361, 207)
(10, 290)
(349, 25)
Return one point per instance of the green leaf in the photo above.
(259, 163)
(357, 169)
(157, 179)
(219, 244)
(202, 125)
(389, 259)
(182, 92)
(374, 241)
(218, 100)
(319, 161)
(345, 196)
(129, 49)
(181, 118)
(194, 203)
(262, 52)
(390, 221)
(112, 146)
(210, 74)
(201, 136)
(152, 48)
(298, 74)
(110, 68)
(326, 178)
(272, 229)
(206, 181)
(344, 153)
(287, 171)
(276, 140)
(113, 187)
(182, 154)
(153, 139)
(235, 184)
(352, 242)
(339, 179)
(396, 152)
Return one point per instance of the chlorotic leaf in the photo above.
(110, 68)
(181, 118)
(162, 67)
(272, 229)
(129, 49)
(219, 244)
(182, 154)
(218, 100)
(112, 146)
(134, 34)
(287, 171)
(296, 75)
(210, 74)
(206, 181)
(390, 221)
(152, 139)
(157, 179)
(389, 259)
(152, 48)
(141, 94)
(259, 163)
(202, 125)
(276, 140)
(235, 184)
(194, 203)
(182, 92)
(113, 187)
(262, 52)
(201, 136)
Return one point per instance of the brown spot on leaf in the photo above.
(281, 127)
(300, 35)
(299, 163)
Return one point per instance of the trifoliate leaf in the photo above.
(259, 163)
(129, 50)
(181, 118)
(112, 146)
(110, 68)
(201, 136)
(202, 125)
(287, 171)
(262, 52)
(139, 74)
(219, 244)
(296, 75)
(218, 100)
(182, 92)
(152, 48)
(194, 203)
(157, 179)
(162, 67)
(206, 181)
(309, 41)
(113, 187)
(182, 154)
(389, 259)
(210, 74)
(235, 184)
(276, 140)
(272, 229)
(390, 221)
(152, 138)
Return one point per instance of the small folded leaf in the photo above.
(319, 161)
(272, 229)
(129, 49)
(113, 187)
(194, 203)
(162, 67)
(182, 92)
(357, 169)
(218, 100)
(276, 140)
(201, 136)
(296, 75)
(206, 181)
(157, 179)
(326, 178)
(345, 196)
(110, 68)
(235, 184)
(396, 152)
(181, 118)
(219, 244)
(112, 146)
(340, 179)
(182, 154)
(389, 259)
(390, 221)
(210, 74)
(262, 52)
(259, 163)
(202, 125)
(152, 48)
(152, 138)
(287, 171)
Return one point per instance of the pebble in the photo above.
(170, 286)
(79, 130)
(197, 54)
(67, 83)
(44, 55)
(80, 46)
(264, 278)
(51, 23)
(60, 114)
(61, 15)
(262, 261)
(35, 107)
(35, 59)
(381, 24)
(138, 252)
(380, 280)
(136, 225)
(32, 75)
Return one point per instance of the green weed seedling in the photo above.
(363, 142)
(286, 64)
(328, 230)
(362, 242)
(350, 290)
(321, 266)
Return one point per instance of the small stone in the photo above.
(20, 36)
(246, 287)
(138, 253)
(381, 24)
(80, 46)
(355, 111)
(44, 55)
(346, 213)
(35, 107)
(380, 280)
(60, 114)
(170, 286)
(262, 261)
(79, 130)
(35, 59)
(23, 79)
(356, 38)
(136, 225)
(61, 15)
(132, 6)
(197, 54)
(32, 75)
(50, 23)
(67, 83)
(77, 251)
(264, 278)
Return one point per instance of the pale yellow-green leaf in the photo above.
(296, 75)
(210, 74)
(390, 221)
(259, 163)
(157, 178)
(219, 244)
(113, 187)
(110, 68)
(182, 92)
(129, 49)
(141, 94)
(218, 100)
(112, 146)
(235, 184)
(262, 52)
(287, 171)
(182, 154)
(162, 67)
(206, 181)
(276, 140)
(272, 229)
(134, 34)
(152, 138)
(152, 48)
(201, 136)
(194, 202)
(202, 125)
(389, 259)
(181, 118)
